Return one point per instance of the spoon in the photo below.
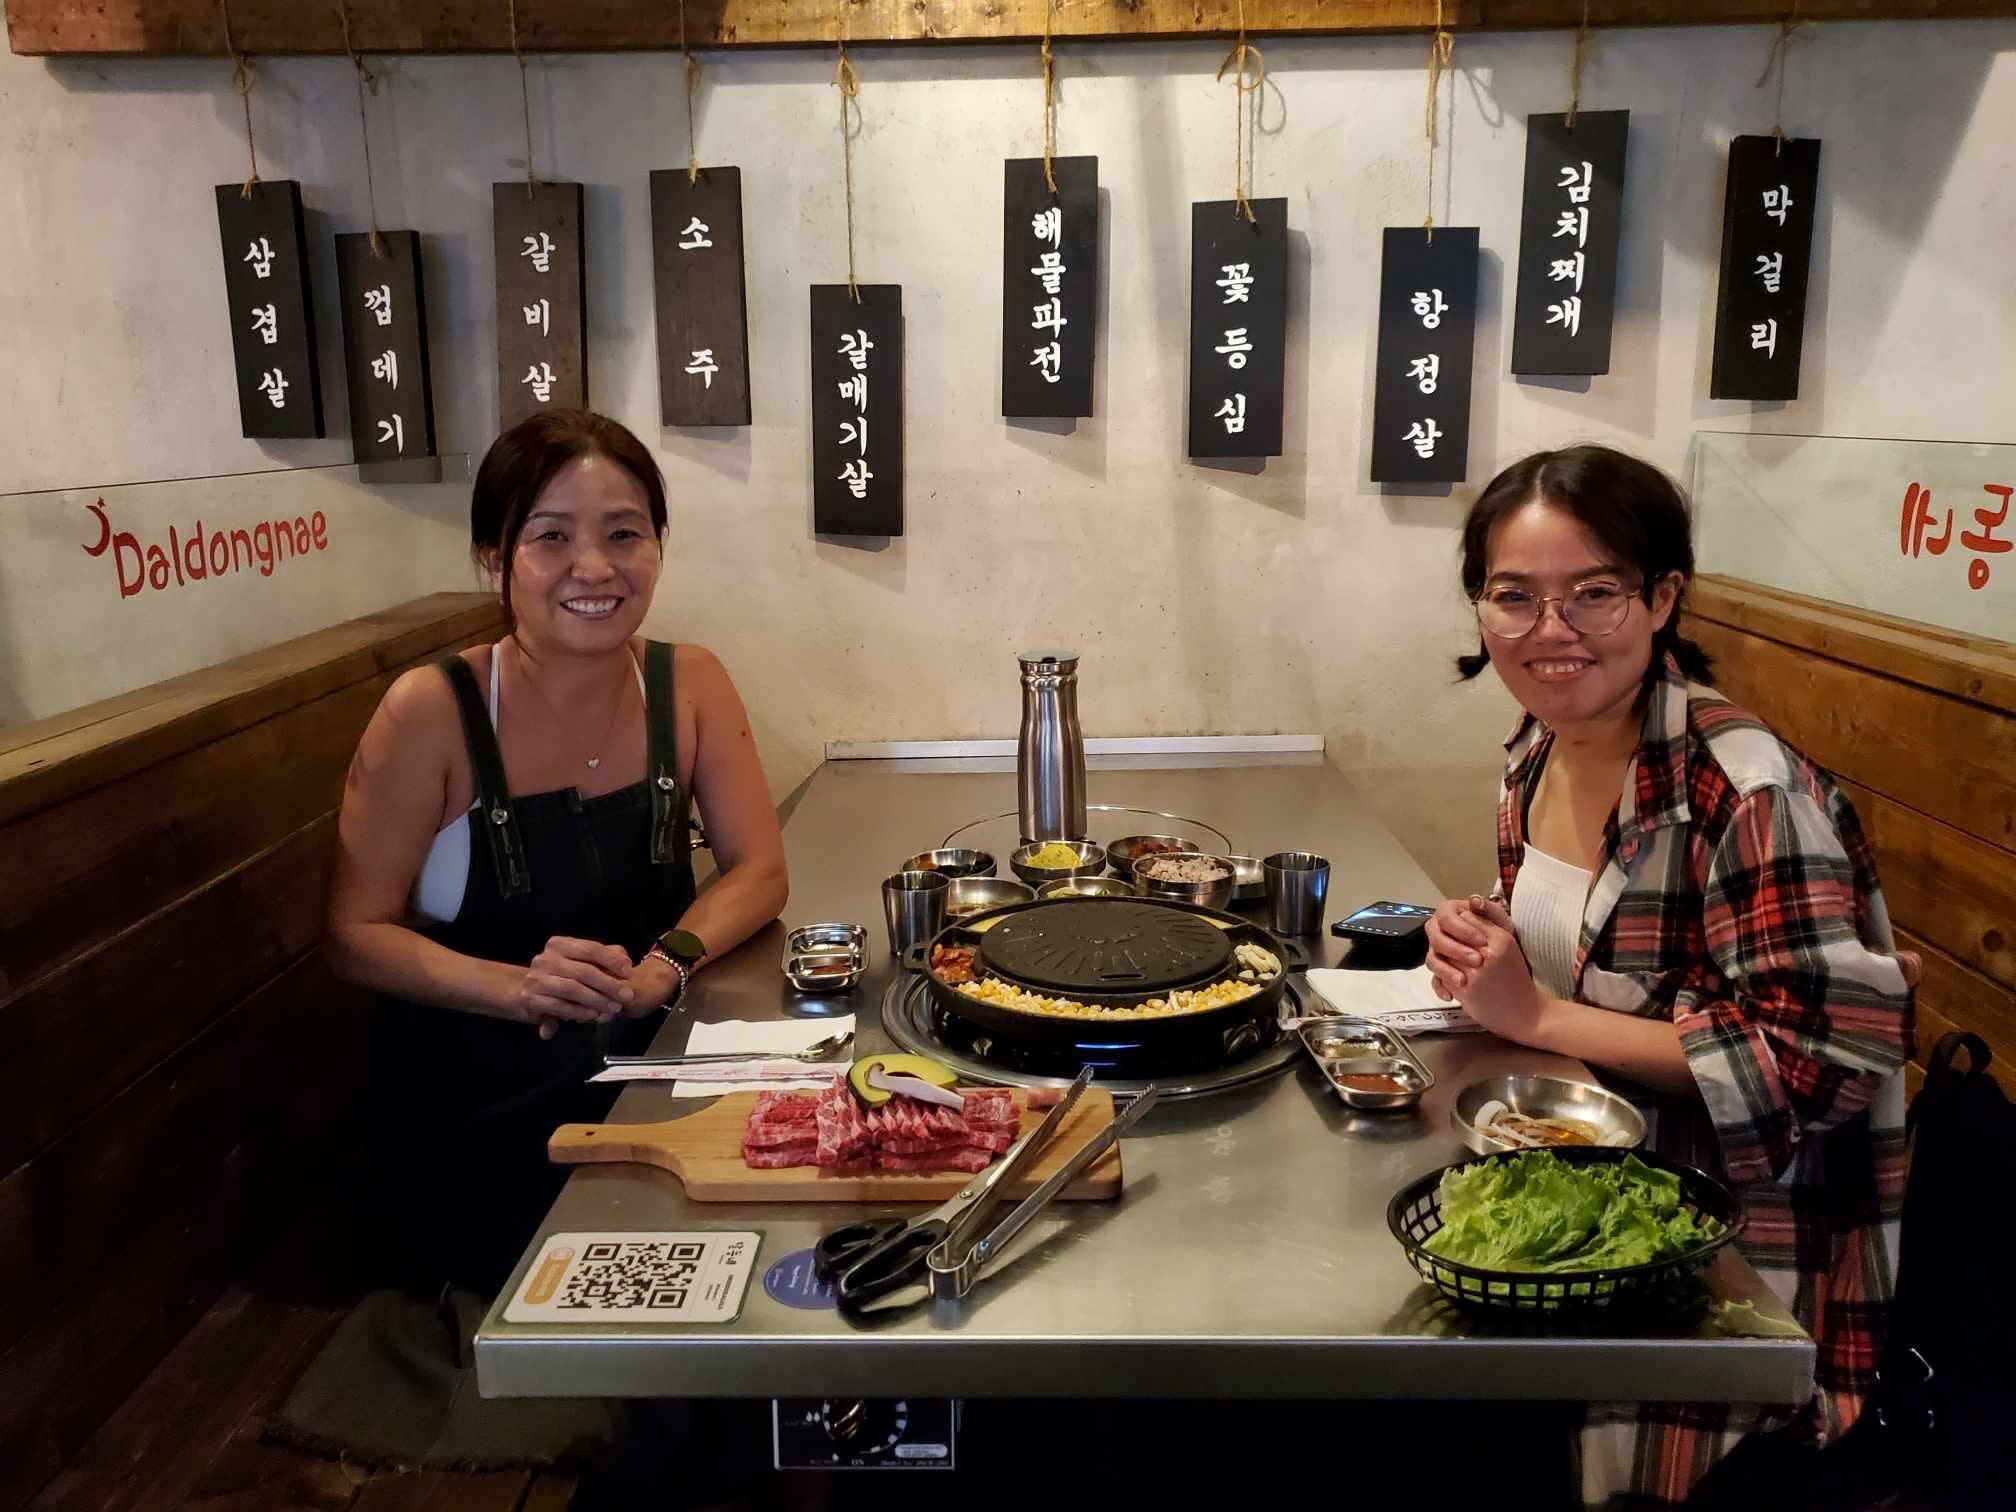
(818, 1050)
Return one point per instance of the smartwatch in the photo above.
(681, 950)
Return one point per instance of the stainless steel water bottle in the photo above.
(1050, 756)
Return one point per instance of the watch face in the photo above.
(682, 945)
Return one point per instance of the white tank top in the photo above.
(1548, 897)
(444, 875)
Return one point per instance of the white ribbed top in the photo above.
(1548, 897)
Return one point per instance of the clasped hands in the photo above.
(581, 982)
(1475, 959)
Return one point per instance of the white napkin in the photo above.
(761, 1041)
(1402, 1000)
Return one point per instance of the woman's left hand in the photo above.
(1501, 994)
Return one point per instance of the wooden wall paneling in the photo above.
(89, 1029)
(1955, 890)
(1967, 666)
(193, 27)
(49, 760)
(1953, 760)
(81, 1356)
(1951, 995)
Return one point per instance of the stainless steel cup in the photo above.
(913, 903)
(1298, 886)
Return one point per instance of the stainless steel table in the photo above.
(1249, 1256)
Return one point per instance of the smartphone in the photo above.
(1385, 923)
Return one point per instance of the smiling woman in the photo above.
(513, 871)
(1689, 905)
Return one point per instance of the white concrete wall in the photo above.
(1295, 598)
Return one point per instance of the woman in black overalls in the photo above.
(505, 886)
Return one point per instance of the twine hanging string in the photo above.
(849, 84)
(1774, 62)
(1575, 68)
(241, 80)
(1049, 101)
(1236, 60)
(365, 80)
(524, 100)
(1441, 49)
(692, 70)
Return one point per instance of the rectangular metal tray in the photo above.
(1392, 1045)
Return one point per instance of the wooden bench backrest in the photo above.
(1919, 726)
(173, 1052)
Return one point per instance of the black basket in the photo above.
(1416, 1212)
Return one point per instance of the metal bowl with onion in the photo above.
(1091, 861)
(1124, 852)
(952, 863)
(971, 895)
(1088, 887)
(1214, 892)
(1580, 1106)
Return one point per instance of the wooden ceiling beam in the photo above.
(194, 28)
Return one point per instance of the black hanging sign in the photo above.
(1767, 237)
(1049, 287)
(703, 303)
(1568, 229)
(385, 347)
(857, 410)
(1427, 328)
(1238, 327)
(272, 311)
(542, 299)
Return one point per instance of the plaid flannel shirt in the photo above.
(1737, 896)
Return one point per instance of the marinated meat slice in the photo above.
(802, 1152)
(1044, 1097)
(963, 1158)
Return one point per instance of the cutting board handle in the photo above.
(591, 1144)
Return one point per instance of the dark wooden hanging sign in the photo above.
(272, 309)
(1427, 330)
(1569, 223)
(542, 299)
(1767, 239)
(1049, 287)
(857, 410)
(1238, 327)
(385, 347)
(702, 296)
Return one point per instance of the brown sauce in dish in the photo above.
(1374, 1081)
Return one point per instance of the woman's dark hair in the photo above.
(522, 461)
(1631, 507)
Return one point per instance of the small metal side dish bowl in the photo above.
(1122, 853)
(1216, 894)
(952, 863)
(1249, 879)
(1088, 887)
(969, 895)
(1618, 1125)
(1412, 1079)
(825, 957)
(1091, 861)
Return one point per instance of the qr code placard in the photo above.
(640, 1278)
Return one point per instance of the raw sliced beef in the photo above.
(803, 1152)
(990, 1139)
(783, 1108)
(772, 1136)
(1045, 1097)
(964, 1158)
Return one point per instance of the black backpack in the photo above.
(1939, 1431)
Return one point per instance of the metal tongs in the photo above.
(957, 1261)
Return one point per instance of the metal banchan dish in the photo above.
(1415, 1213)
(1115, 953)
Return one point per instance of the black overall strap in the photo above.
(661, 758)
(494, 816)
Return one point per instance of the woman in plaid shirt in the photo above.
(1689, 905)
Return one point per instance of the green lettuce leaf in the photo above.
(1537, 1212)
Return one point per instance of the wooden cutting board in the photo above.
(704, 1150)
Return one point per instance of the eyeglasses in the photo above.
(1587, 609)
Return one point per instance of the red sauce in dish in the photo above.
(1374, 1081)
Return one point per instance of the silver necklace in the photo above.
(622, 689)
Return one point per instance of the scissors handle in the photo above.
(897, 1261)
(841, 1248)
